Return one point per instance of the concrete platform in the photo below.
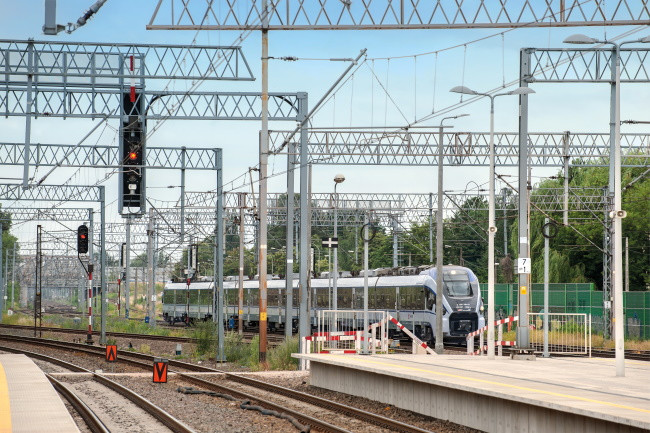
(28, 402)
(547, 395)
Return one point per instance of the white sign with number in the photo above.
(523, 265)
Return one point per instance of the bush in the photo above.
(235, 349)
(279, 357)
(206, 335)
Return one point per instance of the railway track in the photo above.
(273, 338)
(145, 361)
(93, 422)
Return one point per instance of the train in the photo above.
(411, 299)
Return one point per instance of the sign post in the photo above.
(160, 370)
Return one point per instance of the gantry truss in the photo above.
(107, 65)
(403, 147)
(87, 103)
(102, 156)
(588, 65)
(60, 193)
(395, 14)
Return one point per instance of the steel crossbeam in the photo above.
(107, 65)
(102, 156)
(395, 14)
(589, 65)
(51, 193)
(381, 147)
(48, 214)
(92, 104)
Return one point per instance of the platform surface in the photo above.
(585, 386)
(28, 402)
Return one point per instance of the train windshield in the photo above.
(457, 283)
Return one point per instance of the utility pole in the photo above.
(127, 272)
(264, 155)
(240, 304)
(152, 280)
(13, 275)
(546, 266)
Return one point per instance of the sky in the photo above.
(395, 71)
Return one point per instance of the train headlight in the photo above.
(482, 308)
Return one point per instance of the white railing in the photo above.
(342, 331)
(568, 333)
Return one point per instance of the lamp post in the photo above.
(439, 346)
(617, 213)
(339, 178)
(492, 229)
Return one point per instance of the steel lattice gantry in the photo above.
(396, 14)
(601, 64)
(103, 156)
(403, 147)
(68, 193)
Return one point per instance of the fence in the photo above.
(567, 333)
(341, 331)
(577, 298)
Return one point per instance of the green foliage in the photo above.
(279, 357)
(206, 335)
(234, 348)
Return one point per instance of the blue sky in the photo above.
(410, 82)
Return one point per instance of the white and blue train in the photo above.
(411, 299)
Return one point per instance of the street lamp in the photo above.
(339, 178)
(617, 214)
(492, 229)
(439, 346)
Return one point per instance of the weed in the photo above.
(206, 336)
(279, 357)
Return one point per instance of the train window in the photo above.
(322, 298)
(457, 283)
(205, 297)
(345, 297)
(411, 298)
(168, 296)
(431, 300)
(273, 297)
(385, 297)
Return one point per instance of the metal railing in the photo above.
(568, 333)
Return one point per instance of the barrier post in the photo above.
(500, 337)
(470, 345)
(481, 341)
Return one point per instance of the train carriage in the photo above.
(410, 298)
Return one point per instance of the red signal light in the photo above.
(133, 156)
(82, 236)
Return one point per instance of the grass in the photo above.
(206, 336)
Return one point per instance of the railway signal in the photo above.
(132, 154)
(82, 239)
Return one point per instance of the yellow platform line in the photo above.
(5, 409)
(506, 385)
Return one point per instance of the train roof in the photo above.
(357, 282)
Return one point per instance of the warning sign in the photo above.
(160, 370)
(111, 353)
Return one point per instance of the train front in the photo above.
(463, 306)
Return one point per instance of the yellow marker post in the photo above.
(5, 409)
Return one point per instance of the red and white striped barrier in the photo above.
(496, 323)
(480, 331)
(416, 340)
